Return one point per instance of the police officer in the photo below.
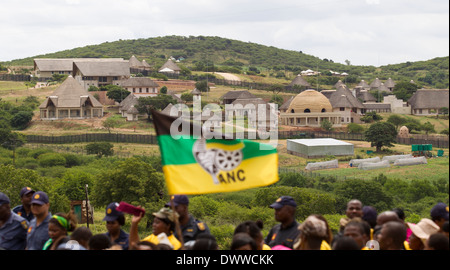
(38, 229)
(287, 231)
(13, 228)
(24, 210)
(190, 226)
(114, 221)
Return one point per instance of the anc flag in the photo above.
(195, 165)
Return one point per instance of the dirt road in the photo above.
(229, 76)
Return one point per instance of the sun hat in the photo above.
(424, 228)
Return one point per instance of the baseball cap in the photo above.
(111, 212)
(440, 210)
(282, 201)
(4, 199)
(25, 191)
(166, 213)
(40, 198)
(369, 213)
(178, 199)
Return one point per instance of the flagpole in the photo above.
(177, 223)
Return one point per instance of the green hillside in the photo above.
(203, 53)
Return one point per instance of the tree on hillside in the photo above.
(133, 181)
(110, 123)
(100, 149)
(326, 125)
(396, 120)
(381, 134)
(370, 117)
(370, 192)
(116, 92)
(277, 99)
(147, 104)
(428, 127)
(202, 86)
(413, 126)
(58, 78)
(21, 119)
(404, 90)
(11, 140)
(355, 128)
(276, 88)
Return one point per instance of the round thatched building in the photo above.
(309, 108)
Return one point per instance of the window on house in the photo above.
(307, 111)
(342, 109)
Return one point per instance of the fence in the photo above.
(438, 142)
(298, 134)
(94, 137)
(21, 78)
(313, 174)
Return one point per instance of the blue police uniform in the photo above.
(13, 234)
(20, 210)
(38, 235)
(192, 229)
(113, 214)
(122, 240)
(280, 235)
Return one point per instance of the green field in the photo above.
(437, 168)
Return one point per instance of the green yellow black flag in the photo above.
(195, 165)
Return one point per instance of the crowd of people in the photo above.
(30, 226)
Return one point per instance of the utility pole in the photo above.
(87, 206)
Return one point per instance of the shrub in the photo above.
(223, 234)
(292, 179)
(27, 163)
(355, 128)
(369, 192)
(72, 160)
(51, 160)
(73, 184)
(23, 152)
(203, 206)
(37, 152)
(132, 181)
(309, 201)
(100, 149)
(12, 180)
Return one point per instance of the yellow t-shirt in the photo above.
(172, 239)
(325, 246)
(266, 247)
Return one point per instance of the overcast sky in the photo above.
(366, 32)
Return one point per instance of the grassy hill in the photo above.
(203, 53)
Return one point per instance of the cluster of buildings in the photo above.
(339, 106)
(72, 98)
(98, 71)
(343, 105)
